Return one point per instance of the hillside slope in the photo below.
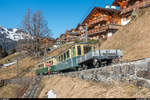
(133, 39)
(67, 87)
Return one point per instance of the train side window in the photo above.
(64, 56)
(74, 52)
(61, 57)
(68, 54)
(87, 49)
(79, 50)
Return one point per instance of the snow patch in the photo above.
(14, 33)
(51, 94)
(9, 64)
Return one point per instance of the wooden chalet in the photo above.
(127, 7)
(47, 42)
(63, 39)
(102, 23)
(72, 35)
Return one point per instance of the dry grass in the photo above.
(9, 91)
(11, 71)
(67, 87)
(24, 64)
(5, 60)
(133, 38)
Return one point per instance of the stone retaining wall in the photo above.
(138, 72)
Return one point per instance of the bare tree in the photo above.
(35, 25)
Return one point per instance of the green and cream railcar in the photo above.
(68, 59)
(45, 66)
(41, 68)
(79, 56)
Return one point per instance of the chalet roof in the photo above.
(62, 35)
(107, 11)
(115, 3)
(77, 26)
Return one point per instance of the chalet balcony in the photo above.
(103, 29)
(98, 30)
(98, 20)
(143, 4)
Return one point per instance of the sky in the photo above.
(61, 15)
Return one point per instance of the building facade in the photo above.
(126, 7)
(102, 23)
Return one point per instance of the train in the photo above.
(80, 56)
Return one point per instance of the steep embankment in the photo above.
(26, 69)
(67, 87)
(133, 39)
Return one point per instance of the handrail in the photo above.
(103, 28)
(98, 29)
(99, 19)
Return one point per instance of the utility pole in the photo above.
(86, 33)
(84, 29)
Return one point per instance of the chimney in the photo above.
(107, 6)
(113, 7)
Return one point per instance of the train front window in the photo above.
(41, 65)
(79, 50)
(87, 49)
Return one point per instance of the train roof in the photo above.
(43, 60)
(83, 43)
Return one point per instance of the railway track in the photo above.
(22, 91)
(32, 91)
